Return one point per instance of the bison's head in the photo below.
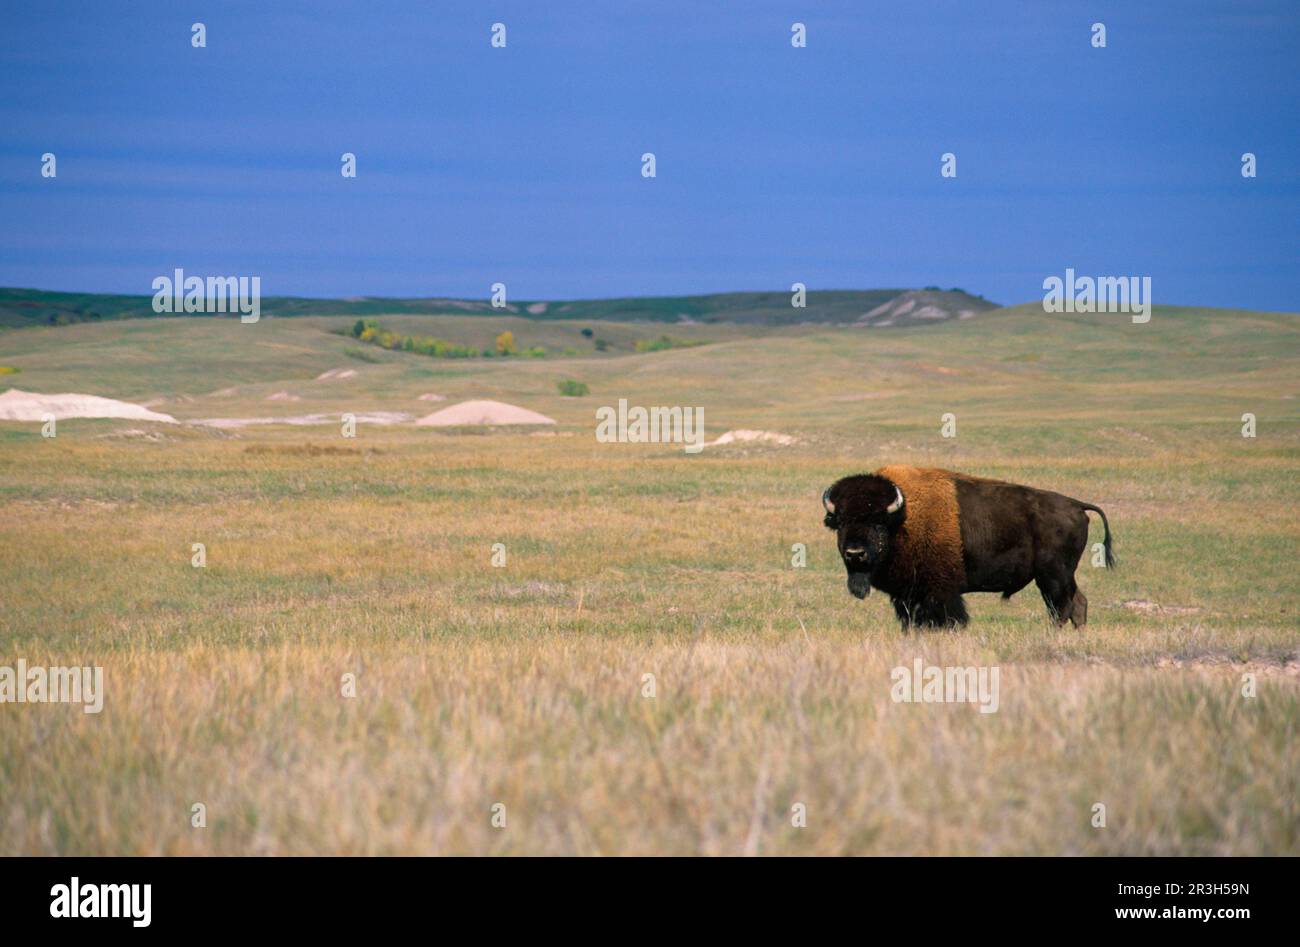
(864, 511)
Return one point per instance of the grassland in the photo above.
(523, 685)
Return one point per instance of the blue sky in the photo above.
(774, 164)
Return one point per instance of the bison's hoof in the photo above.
(859, 584)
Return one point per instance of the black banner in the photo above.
(334, 896)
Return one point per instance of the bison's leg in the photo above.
(905, 611)
(932, 612)
(1054, 571)
(1079, 610)
(957, 613)
(1058, 592)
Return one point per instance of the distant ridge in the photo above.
(866, 307)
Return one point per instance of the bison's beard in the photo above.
(859, 584)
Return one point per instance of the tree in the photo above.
(506, 343)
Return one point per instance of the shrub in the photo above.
(9, 370)
(368, 330)
(573, 389)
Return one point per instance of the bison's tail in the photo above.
(1110, 556)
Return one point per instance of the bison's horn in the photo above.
(898, 502)
(826, 501)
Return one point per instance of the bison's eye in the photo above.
(832, 521)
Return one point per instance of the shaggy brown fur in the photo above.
(929, 551)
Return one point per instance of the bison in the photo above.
(926, 536)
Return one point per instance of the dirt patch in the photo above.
(753, 437)
(337, 374)
(482, 414)
(136, 433)
(372, 417)
(18, 405)
(937, 369)
(1147, 607)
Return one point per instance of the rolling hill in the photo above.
(28, 307)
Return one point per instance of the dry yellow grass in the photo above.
(558, 731)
